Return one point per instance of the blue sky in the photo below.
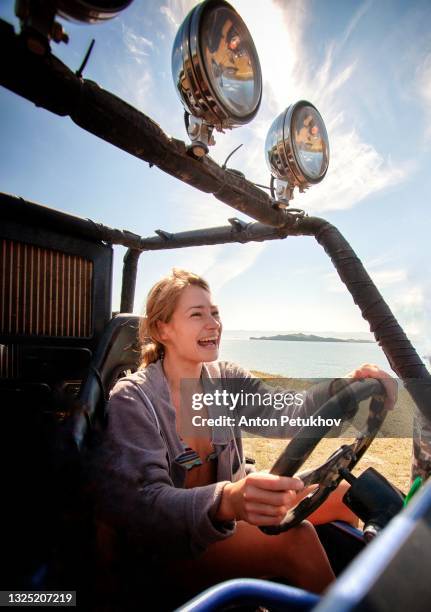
(365, 65)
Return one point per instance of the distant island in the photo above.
(309, 338)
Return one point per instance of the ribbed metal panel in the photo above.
(44, 292)
(9, 367)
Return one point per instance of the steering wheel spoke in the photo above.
(329, 474)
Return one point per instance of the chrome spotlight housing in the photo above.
(216, 70)
(39, 25)
(86, 11)
(91, 11)
(297, 149)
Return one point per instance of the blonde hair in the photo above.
(161, 303)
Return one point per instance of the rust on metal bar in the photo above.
(49, 83)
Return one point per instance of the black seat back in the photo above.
(116, 355)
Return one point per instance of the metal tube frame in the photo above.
(47, 82)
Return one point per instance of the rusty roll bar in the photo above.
(48, 83)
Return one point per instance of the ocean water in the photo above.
(302, 359)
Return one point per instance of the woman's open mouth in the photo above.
(209, 342)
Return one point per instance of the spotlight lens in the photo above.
(310, 142)
(297, 147)
(230, 60)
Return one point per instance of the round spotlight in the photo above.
(297, 147)
(90, 11)
(215, 66)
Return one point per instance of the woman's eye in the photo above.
(215, 314)
(196, 314)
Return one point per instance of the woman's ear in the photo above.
(162, 330)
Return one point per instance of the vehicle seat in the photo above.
(116, 355)
(79, 554)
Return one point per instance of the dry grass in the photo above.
(390, 456)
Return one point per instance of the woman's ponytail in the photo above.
(150, 353)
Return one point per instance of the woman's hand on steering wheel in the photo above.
(259, 498)
(369, 370)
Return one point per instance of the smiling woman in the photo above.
(185, 497)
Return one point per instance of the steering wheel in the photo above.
(343, 405)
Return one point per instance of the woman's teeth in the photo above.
(208, 342)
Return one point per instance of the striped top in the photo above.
(190, 458)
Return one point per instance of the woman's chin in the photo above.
(208, 355)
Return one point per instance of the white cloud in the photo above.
(356, 171)
(167, 11)
(137, 86)
(176, 10)
(409, 308)
(424, 90)
(356, 167)
(412, 306)
(200, 210)
(381, 259)
(136, 79)
(406, 291)
(334, 283)
(226, 269)
(381, 278)
(137, 45)
(363, 8)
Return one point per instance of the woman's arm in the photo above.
(270, 401)
(295, 404)
(139, 493)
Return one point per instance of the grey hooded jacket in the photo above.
(146, 481)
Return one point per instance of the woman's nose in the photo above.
(213, 322)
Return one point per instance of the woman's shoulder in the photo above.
(146, 378)
(226, 369)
